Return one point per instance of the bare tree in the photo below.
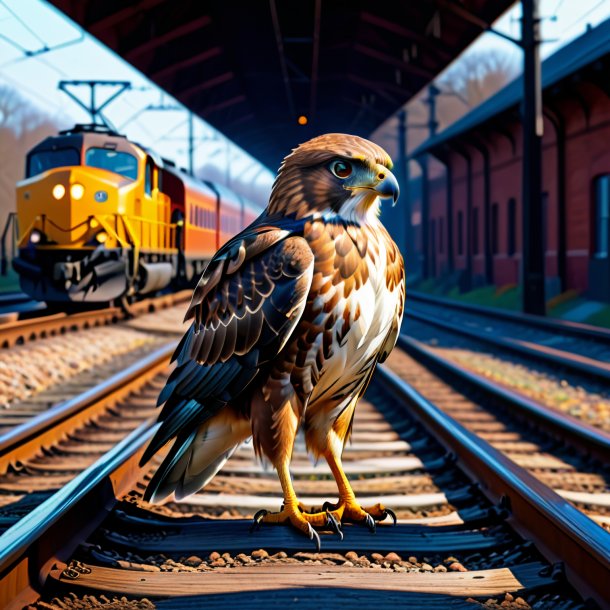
(22, 126)
(477, 76)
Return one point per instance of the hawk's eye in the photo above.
(341, 169)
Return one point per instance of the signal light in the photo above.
(77, 191)
(302, 120)
(93, 223)
(35, 236)
(59, 190)
(101, 237)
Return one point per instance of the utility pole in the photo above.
(191, 138)
(534, 301)
(402, 213)
(425, 186)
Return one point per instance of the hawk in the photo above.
(290, 319)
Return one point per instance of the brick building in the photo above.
(473, 212)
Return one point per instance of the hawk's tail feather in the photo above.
(153, 493)
(195, 459)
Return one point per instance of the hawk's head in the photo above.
(335, 174)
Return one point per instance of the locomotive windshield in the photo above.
(50, 159)
(118, 162)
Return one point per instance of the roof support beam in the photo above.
(280, 49)
(223, 105)
(463, 13)
(105, 23)
(380, 88)
(161, 39)
(315, 58)
(408, 34)
(207, 84)
(398, 63)
(185, 63)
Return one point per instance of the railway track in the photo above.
(456, 545)
(577, 348)
(18, 332)
(548, 367)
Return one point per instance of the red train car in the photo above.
(101, 219)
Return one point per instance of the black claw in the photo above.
(313, 535)
(391, 513)
(370, 523)
(335, 526)
(258, 517)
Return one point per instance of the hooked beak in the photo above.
(388, 187)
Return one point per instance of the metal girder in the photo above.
(393, 61)
(408, 34)
(207, 84)
(315, 59)
(162, 39)
(119, 16)
(238, 99)
(280, 49)
(191, 60)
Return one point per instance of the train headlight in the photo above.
(93, 223)
(101, 237)
(59, 190)
(35, 236)
(77, 191)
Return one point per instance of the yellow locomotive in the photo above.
(102, 219)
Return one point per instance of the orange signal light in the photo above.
(302, 120)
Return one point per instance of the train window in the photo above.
(495, 228)
(512, 226)
(118, 162)
(602, 216)
(148, 176)
(49, 159)
(475, 231)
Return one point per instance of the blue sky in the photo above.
(32, 24)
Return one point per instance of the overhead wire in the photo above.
(584, 16)
(24, 24)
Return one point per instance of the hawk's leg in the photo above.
(347, 509)
(292, 509)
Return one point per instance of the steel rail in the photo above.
(581, 364)
(25, 440)
(559, 530)
(587, 438)
(30, 548)
(19, 331)
(577, 329)
(51, 532)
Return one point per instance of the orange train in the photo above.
(101, 219)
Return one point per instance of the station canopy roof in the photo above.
(251, 68)
(584, 55)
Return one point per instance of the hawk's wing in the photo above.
(395, 280)
(245, 307)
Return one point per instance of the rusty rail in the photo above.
(21, 331)
(576, 329)
(587, 438)
(559, 530)
(30, 549)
